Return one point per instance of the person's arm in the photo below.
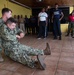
(62, 15)
(52, 18)
(46, 21)
(20, 32)
(38, 20)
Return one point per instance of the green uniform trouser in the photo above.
(0, 47)
(22, 53)
(71, 26)
(72, 32)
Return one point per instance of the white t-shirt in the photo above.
(42, 16)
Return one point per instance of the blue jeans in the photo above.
(56, 28)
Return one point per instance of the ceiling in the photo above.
(33, 3)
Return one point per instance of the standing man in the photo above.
(48, 10)
(56, 18)
(6, 13)
(42, 23)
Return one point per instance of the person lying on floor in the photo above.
(19, 52)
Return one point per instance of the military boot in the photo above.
(1, 59)
(40, 65)
(47, 50)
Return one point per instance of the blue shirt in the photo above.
(57, 13)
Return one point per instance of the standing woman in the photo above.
(48, 11)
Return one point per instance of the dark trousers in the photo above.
(42, 29)
(71, 28)
(56, 28)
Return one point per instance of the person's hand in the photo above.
(52, 21)
(38, 24)
(21, 35)
(60, 19)
(46, 24)
(18, 37)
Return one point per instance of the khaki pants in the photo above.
(22, 27)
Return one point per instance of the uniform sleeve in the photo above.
(1, 22)
(19, 31)
(6, 35)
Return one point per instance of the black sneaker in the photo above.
(72, 36)
(59, 37)
(38, 37)
(67, 35)
(55, 38)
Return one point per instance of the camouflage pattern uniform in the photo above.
(72, 32)
(17, 51)
(71, 28)
(1, 23)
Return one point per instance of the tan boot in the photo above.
(47, 50)
(1, 59)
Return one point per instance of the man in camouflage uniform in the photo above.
(1, 59)
(71, 25)
(18, 52)
(6, 13)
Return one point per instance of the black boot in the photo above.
(55, 38)
(60, 38)
(67, 35)
(40, 64)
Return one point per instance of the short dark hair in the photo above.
(11, 20)
(56, 3)
(4, 10)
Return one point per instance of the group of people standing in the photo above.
(40, 24)
(43, 22)
(56, 17)
(28, 25)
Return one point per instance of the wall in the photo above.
(16, 9)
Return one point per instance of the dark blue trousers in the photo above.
(56, 28)
(42, 29)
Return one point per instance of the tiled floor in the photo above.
(60, 62)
